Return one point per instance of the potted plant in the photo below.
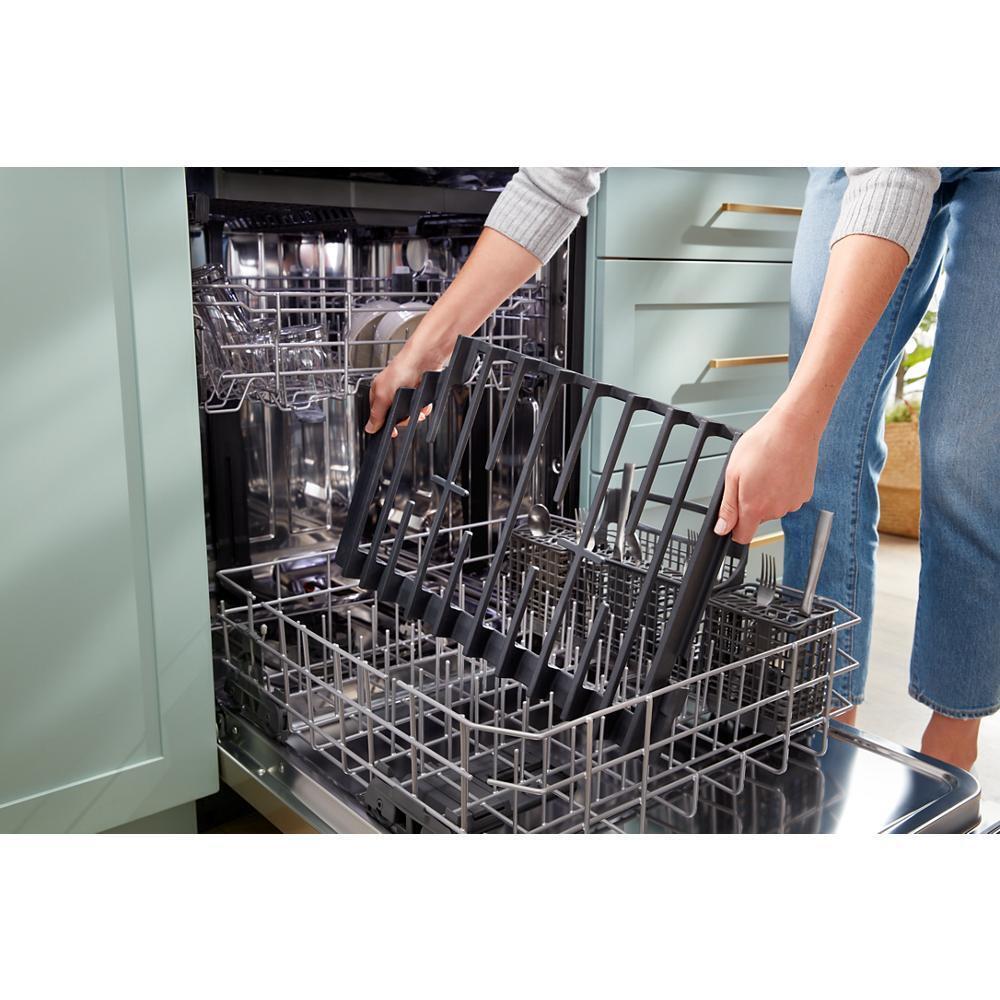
(899, 485)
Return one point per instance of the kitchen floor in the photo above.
(888, 710)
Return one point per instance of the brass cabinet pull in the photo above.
(737, 206)
(756, 359)
(774, 536)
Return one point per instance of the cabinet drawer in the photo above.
(657, 325)
(676, 214)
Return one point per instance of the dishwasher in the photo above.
(429, 633)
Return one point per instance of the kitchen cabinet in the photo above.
(106, 695)
(689, 304)
(725, 213)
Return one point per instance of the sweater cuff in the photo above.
(532, 219)
(891, 203)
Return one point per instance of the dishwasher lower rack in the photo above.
(436, 741)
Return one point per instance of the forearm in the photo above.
(771, 470)
(495, 269)
(861, 277)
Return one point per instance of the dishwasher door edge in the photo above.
(955, 812)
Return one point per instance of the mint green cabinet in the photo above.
(106, 707)
(658, 326)
(704, 213)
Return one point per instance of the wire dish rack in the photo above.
(292, 342)
(435, 740)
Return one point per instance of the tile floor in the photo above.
(888, 710)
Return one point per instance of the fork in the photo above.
(767, 584)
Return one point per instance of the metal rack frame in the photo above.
(434, 739)
(317, 362)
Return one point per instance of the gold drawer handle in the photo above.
(737, 206)
(756, 359)
(774, 536)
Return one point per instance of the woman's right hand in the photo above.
(495, 268)
(421, 353)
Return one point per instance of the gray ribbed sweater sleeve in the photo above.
(540, 206)
(891, 202)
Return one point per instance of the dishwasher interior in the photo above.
(344, 698)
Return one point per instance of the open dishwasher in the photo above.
(400, 646)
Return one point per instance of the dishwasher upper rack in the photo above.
(304, 345)
(434, 740)
(534, 664)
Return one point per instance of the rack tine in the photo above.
(454, 375)
(573, 452)
(389, 570)
(507, 654)
(507, 413)
(652, 468)
(449, 591)
(571, 707)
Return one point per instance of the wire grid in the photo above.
(292, 342)
(454, 743)
(736, 628)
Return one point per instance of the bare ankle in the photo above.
(955, 741)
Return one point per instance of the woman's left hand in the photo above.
(770, 472)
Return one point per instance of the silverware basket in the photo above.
(552, 561)
(623, 583)
(614, 582)
(791, 652)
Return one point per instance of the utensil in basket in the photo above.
(824, 524)
(767, 585)
(624, 502)
(539, 520)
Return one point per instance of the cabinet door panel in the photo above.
(107, 712)
(668, 213)
(658, 324)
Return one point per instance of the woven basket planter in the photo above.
(899, 486)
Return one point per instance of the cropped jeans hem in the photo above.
(952, 713)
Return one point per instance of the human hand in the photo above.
(419, 355)
(770, 472)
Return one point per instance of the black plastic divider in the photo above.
(363, 554)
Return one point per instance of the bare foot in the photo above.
(952, 740)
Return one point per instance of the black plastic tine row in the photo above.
(365, 553)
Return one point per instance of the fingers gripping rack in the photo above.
(493, 627)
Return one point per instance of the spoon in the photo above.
(539, 520)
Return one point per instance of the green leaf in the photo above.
(918, 354)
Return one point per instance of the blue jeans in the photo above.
(955, 662)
